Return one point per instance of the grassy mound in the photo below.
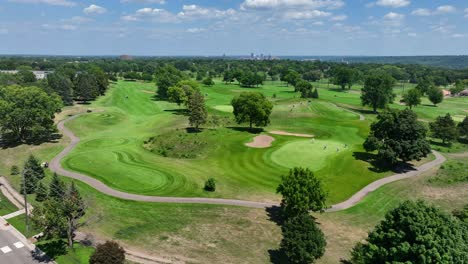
(181, 145)
(454, 171)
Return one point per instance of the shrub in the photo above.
(210, 185)
(14, 170)
(108, 253)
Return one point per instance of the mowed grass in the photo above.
(112, 147)
(6, 206)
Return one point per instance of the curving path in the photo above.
(361, 116)
(55, 166)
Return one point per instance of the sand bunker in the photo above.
(283, 133)
(262, 141)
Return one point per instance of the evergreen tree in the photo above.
(41, 192)
(86, 87)
(73, 209)
(62, 85)
(315, 94)
(303, 242)
(56, 188)
(444, 128)
(463, 127)
(33, 173)
(435, 95)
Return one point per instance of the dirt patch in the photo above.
(459, 155)
(284, 133)
(262, 141)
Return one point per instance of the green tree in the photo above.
(210, 185)
(398, 135)
(108, 253)
(344, 76)
(33, 173)
(41, 192)
(177, 95)
(290, 77)
(208, 81)
(435, 95)
(197, 110)
(424, 85)
(14, 170)
(57, 188)
(73, 209)
(252, 108)
(444, 128)
(412, 98)
(166, 77)
(304, 87)
(301, 192)
(48, 217)
(303, 242)
(414, 232)
(62, 85)
(26, 76)
(26, 113)
(315, 94)
(86, 87)
(463, 127)
(101, 78)
(378, 91)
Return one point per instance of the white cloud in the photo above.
(445, 9)
(272, 4)
(422, 12)
(393, 3)
(78, 20)
(412, 34)
(67, 27)
(339, 18)
(161, 2)
(305, 14)
(394, 16)
(196, 30)
(94, 9)
(457, 35)
(46, 2)
(195, 11)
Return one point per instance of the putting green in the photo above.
(312, 154)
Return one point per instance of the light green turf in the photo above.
(310, 153)
(224, 108)
(112, 149)
(6, 206)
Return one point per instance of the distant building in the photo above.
(126, 57)
(38, 74)
(464, 92)
(446, 92)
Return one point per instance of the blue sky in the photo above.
(234, 27)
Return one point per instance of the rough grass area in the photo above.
(453, 171)
(5, 206)
(181, 144)
(58, 250)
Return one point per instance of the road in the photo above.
(14, 248)
(55, 166)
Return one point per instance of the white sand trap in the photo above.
(284, 133)
(262, 141)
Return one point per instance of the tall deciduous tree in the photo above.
(197, 110)
(412, 98)
(435, 95)
(252, 108)
(166, 77)
(398, 135)
(62, 85)
(444, 128)
(344, 76)
(302, 192)
(26, 113)
(378, 91)
(86, 87)
(303, 242)
(414, 232)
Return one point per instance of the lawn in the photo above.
(6, 206)
(129, 116)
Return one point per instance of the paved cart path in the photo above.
(56, 166)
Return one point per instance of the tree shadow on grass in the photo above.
(278, 256)
(179, 112)
(440, 144)
(274, 214)
(54, 248)
(9, 142)
(254, 130)
(382, 166)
